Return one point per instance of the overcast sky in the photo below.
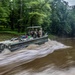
(71, 2)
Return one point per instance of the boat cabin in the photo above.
(35, 31)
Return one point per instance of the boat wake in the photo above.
(10, 60)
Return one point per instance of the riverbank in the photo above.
(51, 36)
(12, 32)
(5, 35)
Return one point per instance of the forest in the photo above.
(56, 17)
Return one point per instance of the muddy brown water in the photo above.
(58, 62)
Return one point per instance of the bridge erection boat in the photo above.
(34, 36)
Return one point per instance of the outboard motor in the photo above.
(2, 47)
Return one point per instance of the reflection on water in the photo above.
(46, 61)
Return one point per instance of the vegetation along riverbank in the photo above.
(54, 16)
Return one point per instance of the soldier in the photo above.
(40, 32)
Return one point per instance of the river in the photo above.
(54, 62)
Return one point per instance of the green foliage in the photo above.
(4, 12)
(60, 18)
(55, 16)
(26, 13)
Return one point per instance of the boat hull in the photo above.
(22, 44)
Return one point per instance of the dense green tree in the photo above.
(55, 16)
(4, 13)
(72, 20)
(29, 13)
(60, 22)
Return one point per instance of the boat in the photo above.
(23, 41)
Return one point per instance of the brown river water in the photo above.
(51, 58)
